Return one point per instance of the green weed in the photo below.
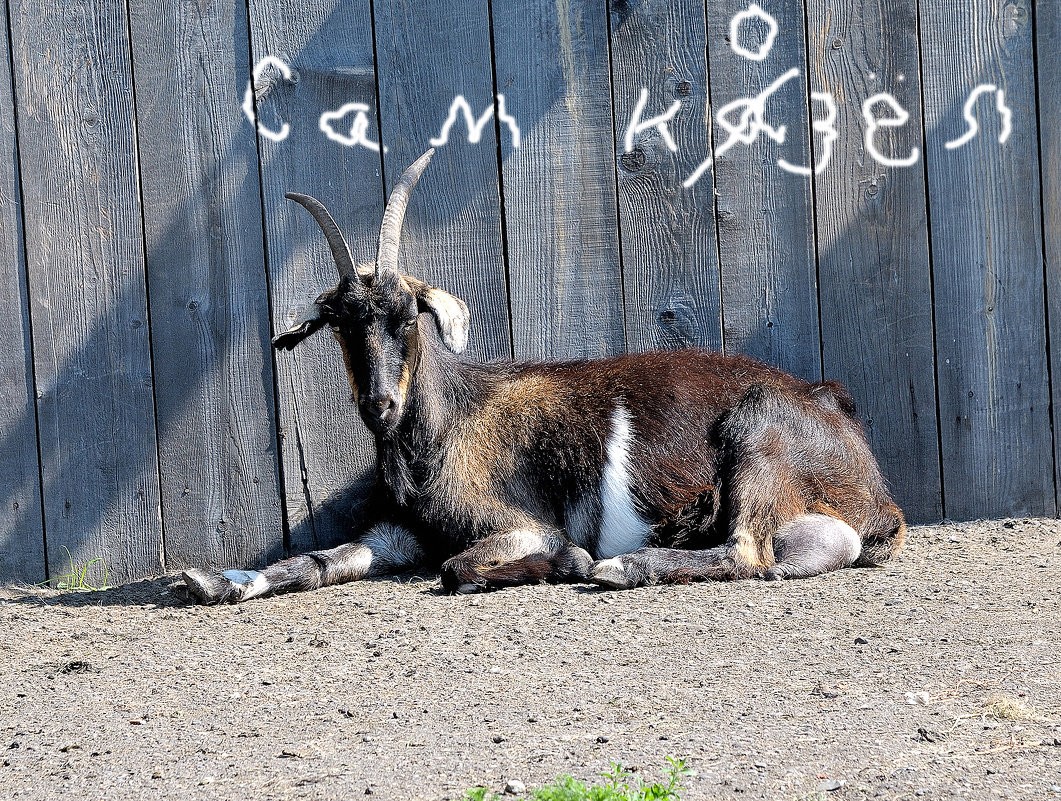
(619, 784)
(76, 578)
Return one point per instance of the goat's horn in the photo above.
(340, 250)
(390, 232)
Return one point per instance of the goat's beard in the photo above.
(395, 465)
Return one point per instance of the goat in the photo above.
(643, 468)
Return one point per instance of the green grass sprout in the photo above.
(75, 580)
(619, 784)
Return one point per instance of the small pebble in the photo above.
(831, 784)
(515, 787)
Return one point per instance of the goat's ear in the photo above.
(450, 312)
(307, 323)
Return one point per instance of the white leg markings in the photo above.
(251, 582)
(522, 542)
(388, 544)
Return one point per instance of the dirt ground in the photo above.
(937, 676)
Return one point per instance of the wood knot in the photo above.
(634, 160)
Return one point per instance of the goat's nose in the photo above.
(379, 406)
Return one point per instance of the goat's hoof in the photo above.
(575, 564)
(773, 575)
(458, 576)
(207, 587)
(231, 586)
(610, 573)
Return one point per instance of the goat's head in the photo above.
(374, 311)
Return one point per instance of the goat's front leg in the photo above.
(385, 549)
(517, 556)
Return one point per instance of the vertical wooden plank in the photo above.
(88, 306)
(1048, 50)
(765, 214)
(428, 53)
(327, 452)
(669, 248)
(987, 262)
(206, 278)
(559, 186)
(872, 225)
(21, 530)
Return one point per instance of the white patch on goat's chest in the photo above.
(621, 528)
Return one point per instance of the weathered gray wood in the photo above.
(328, 454)
(765, 215)
(428, 53)
(987, 263)
(87, 295)
(21, 530)
(873, 259)
(559, 186)
(206, 277)
(1048, 48)
(670, 252)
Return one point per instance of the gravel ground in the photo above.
(936, 676)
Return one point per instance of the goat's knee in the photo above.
(812, 544)
(567, 565)
(521, 556)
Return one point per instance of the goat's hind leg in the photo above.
(805, 546)
(812, 544)
(384, 550)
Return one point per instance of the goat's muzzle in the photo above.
(380, 412)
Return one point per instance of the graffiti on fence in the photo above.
(357, 135)
(751, 121)
(742, 120)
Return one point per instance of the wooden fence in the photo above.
(660, 195)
